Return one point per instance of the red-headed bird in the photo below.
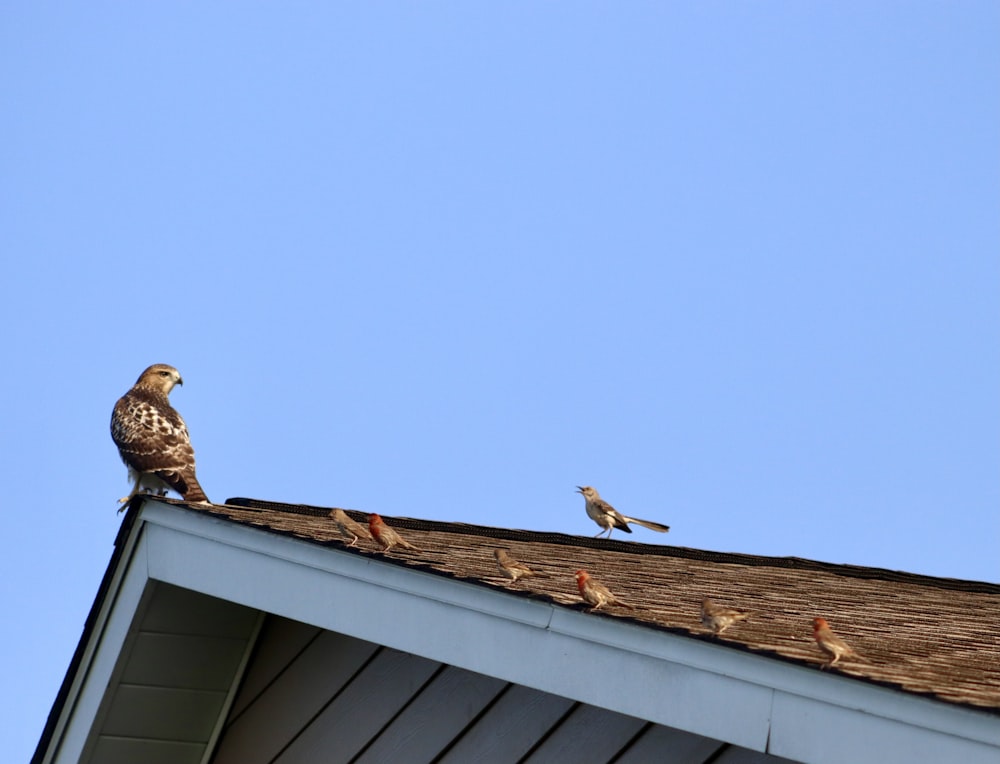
(595, 594)
(834, 647)
(385, 536)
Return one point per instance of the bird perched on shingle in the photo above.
(595, 594)
(610, 518)
(152, 438)
(834, 647)
(719, 618)
(349, 528)
(385, 536)
(511, 568)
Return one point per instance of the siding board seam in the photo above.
(267, 687)
(551, 730)
(326, 705)
(420, 690)
(631, 742)
(457, 738)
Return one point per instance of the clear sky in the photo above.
(736, 265)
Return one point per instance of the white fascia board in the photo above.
(749, 700)
(107, 639)
(806, 729)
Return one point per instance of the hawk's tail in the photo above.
(195, 494)
(185, 483)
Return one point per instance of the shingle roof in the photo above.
(928, 636)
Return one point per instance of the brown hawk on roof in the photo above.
(153, 439)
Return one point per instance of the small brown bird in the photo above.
(349, 528)
(609, 518)
(511, 568)
(834, 647)
(594, 594)
(385, 536)
(719, 618)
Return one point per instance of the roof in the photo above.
(924, 635)
(191, 586)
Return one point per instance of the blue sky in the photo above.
(734, 264)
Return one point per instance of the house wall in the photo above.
(313, 695)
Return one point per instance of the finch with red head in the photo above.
(385, 536)
(595, 594)
(834, 647)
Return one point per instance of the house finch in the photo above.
(348, 528)
(385, 536)
(610, 518)
(719, 618)
(511, 568)
(594, 594)
(834, 647)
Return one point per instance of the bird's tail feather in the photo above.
(188, 487)
(650, 524)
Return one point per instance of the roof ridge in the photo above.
(638, 548)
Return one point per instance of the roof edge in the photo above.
(635, 547)
(112, 572)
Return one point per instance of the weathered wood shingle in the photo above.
(929, 636)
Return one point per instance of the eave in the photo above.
(749, 700)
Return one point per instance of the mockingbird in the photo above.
(610, 518)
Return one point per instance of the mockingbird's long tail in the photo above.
(648, 524)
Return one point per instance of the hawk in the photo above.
(152, 438)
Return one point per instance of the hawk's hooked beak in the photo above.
(180, 381)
